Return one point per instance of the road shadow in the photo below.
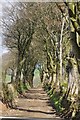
(37, 111)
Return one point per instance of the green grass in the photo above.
(56, 98)
(8, 78)
(57, 102)
(36, 72)
(36, 79)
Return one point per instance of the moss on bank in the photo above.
(63, 105)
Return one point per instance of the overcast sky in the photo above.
(3, 49)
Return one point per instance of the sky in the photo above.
(3, 49)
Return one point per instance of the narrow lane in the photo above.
(34, 104)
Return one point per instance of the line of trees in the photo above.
(47, 34)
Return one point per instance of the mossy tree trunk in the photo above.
(74, 30)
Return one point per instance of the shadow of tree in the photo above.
(37, 111)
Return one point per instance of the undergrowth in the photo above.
(61, 103)
(21, 89)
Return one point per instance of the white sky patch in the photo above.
(2, 1)
(0, 40)
(0, 9)
(3, 50)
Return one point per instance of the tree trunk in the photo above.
(61, 38)
(12, 76)
(18, 73)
